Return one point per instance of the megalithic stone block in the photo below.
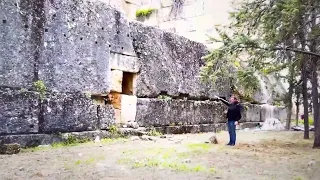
(116, 82)
(128, 108)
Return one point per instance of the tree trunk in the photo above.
(291, 87)
(315, 98)
(305, 99)
(289, 102)
(297, 108)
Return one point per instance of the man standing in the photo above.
(233, 116)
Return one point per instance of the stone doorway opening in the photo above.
(128, 80)
(122, 95)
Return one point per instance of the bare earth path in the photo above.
(259, 155)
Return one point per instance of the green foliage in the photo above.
(311, 122)
(144, 12)
(276, 103)
(168, 158)
(40, 87)
(164, 97)
(259, 36)
(154, 132)
(114, 130)
(70, 141)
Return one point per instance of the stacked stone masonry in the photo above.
(84, 49)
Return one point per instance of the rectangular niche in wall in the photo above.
(128, 83)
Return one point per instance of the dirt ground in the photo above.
(258, 155)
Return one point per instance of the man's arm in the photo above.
(222, 100)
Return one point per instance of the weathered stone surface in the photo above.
(79, 39)
(150, 112)
(208, 128)
(19, 111)
(179, 112)
(116, 81)
(33, 140)
(221, 127)
(269, 111)
(208, 112)
(124, 62)
(170, 64)
(106, 116)
(72, 112)
(184, 129)
(250, 125)
(30, 140)
(16, 47)
(157, 112)
(65, 43)
(251, 113)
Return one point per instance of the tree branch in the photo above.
(288, 49)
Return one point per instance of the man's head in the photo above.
(233, 99)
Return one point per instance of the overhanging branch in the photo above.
(288, 49)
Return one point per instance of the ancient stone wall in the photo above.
(81, 66)
(77, 66)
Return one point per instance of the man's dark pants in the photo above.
(232, 132)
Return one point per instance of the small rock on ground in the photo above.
(311, 163)
(10, 149)
(134, 138)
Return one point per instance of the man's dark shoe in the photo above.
(229, 144)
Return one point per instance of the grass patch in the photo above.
(70, 142)
(180, 167)
(88, 161)
(167, 158)
(202, 147)
(110, 140)
(80, 162)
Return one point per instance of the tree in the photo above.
(268, 36)
(298, 102)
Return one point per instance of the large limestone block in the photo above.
(207, 112)
(179, 112)
(116, 85)
(19, 111)
(117, 114)
(166, 3)
(68, 112)
(124, 63)
(151, 112)
(18, 44)
(106, 116)
(79, 39)
(128, 108)
(165, 14)
(157, 112)
(170, 64)
(269, 111)
(65, 43)
(193, 9)
(251, 113)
